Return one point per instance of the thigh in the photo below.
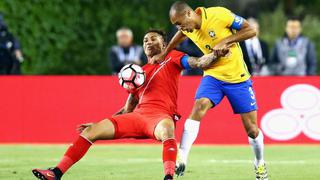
(130, 125)
(153, 120)
(103, 130)
(241, 96)
(210, 88)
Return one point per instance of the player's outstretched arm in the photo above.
(245, 32)
(206, 60)
(177, 39)
(131, 103)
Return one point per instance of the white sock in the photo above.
(189, 135)
(258, 146)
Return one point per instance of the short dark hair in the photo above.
(162, 33)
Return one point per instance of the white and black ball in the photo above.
(131, 77)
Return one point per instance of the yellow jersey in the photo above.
(216, 25)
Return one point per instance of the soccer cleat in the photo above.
(168, 177)
(261, 172)
(180, 168)
(47, 174)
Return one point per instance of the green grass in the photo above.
(133, 162)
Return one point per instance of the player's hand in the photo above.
(221, 45)
(222, 48)
(221, 52)
(82, 127)
(158, 58)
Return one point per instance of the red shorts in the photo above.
(139, 124)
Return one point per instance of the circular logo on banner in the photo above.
(300, 114)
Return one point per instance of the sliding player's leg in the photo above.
(116, 127)
(91, 132)
(164, 132)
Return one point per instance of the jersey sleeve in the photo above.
(228, 19)
(176, 57)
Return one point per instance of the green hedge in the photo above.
(73, 36)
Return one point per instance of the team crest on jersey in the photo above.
(212, 34)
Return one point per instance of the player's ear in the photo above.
(164, 45)
(188, 13)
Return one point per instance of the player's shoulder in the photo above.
(175, 54)
(217, 10)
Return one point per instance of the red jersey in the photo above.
(160, 90)
(157, 100)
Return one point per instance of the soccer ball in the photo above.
(131, 77)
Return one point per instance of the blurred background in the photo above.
(75, 37)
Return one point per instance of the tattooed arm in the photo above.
(206, 60)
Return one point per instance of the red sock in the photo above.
(169, 156)
(74, 153)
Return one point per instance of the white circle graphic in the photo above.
(300, 113)
(280, 124)
(311, 127)
(300, 97)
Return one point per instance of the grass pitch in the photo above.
(134, 162)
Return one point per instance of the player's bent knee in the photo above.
(167, 133)
(200, 108)
(103, 130)
(250, 124)
(253, 132)
(164, 130)
(88, 133)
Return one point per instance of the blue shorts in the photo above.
(240, 95)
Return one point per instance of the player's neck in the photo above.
(149, 59)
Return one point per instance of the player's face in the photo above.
(184, 21)
(293, 29)
(153, 44)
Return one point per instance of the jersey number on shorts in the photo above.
(252, 93)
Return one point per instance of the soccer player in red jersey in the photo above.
(148, 113)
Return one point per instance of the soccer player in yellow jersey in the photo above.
(212, 29)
